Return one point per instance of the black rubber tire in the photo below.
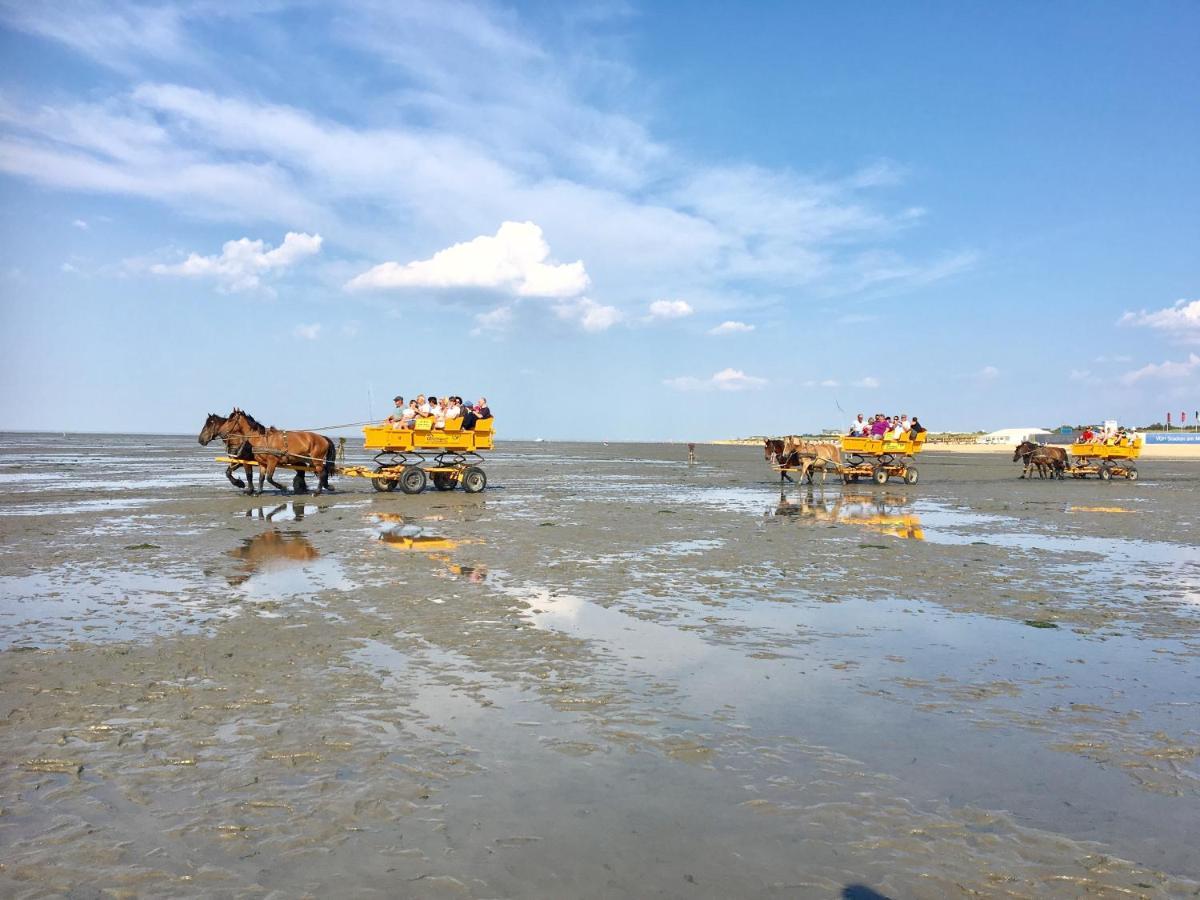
(384, 485)
(911, 476)
(1105, 473)
(413, 480)
(474, 479)
(879, 475)
(1131, 473)
(444, 481)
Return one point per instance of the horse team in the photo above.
(253, 444)
(1048, 461)
(807, 457)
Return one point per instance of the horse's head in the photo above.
(1023, 449)
(212, 425)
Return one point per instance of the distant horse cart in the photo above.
(1104, 460)
(408, 458)
(853, 458)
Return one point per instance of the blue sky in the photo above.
(622, 221)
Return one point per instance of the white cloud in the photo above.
(731, 327)
(307, 332)
(496, 320)
(868, 381)
(514, 260)
(1083, 375)
(241, 263)
(1180, 320)
(112, 32)
(80, 224)
(489, 124)
(725, 380)
(829, 383)
(590, 315)
(1165, 371)
(988, 373)
(670, 309)
(68, 267)
(1120, 358)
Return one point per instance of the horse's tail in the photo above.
(330, 456)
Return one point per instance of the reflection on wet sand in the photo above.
(294, 511)
(882, 513)
(271, 549)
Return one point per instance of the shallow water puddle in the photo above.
(45, 608)
(283, 564)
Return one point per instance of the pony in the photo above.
(1045, 459)
(270, 448)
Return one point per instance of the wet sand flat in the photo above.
(610, 674)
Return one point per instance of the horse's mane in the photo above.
(250, 420)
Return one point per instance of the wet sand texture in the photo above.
(610, 674)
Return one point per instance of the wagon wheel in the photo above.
(879, 475)
(384, 485)
(413, 480)
(444, 481)
(1105, 472)
(474, 479)
(910, 475)
(1131, 473)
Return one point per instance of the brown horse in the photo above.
(234, 446)
(270, 448)
(1045, 459)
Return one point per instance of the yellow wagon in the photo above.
(880, 458)
(411, 457)
(1107, 461)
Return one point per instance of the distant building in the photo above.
(1014, 436)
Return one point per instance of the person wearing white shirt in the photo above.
(858, 427)
(905, 424)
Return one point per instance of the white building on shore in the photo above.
(1014, 436)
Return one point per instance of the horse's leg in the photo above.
(270, 473)
(236, 482)
(249, 469)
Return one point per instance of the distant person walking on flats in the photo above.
(691, 454)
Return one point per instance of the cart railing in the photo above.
(423, 436)
(1130, 450)
(869, 446)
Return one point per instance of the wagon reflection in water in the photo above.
(889, 514)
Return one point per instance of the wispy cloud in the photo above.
(515, 260)
(731, 327)
(870, 382)
(242, 263)
(114, 33)
(1180, 321)
(307, 332)
(588, 314)
(80, 224)
(988, 373)
(1165, 371)
(670, 309)
(494, 321)
(491, 123)
(725, 380)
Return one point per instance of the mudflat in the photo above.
(610, 674)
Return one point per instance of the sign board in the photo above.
(1173, 437)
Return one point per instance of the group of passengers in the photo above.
(437, 412)
(1118, 438)
(890, 428)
